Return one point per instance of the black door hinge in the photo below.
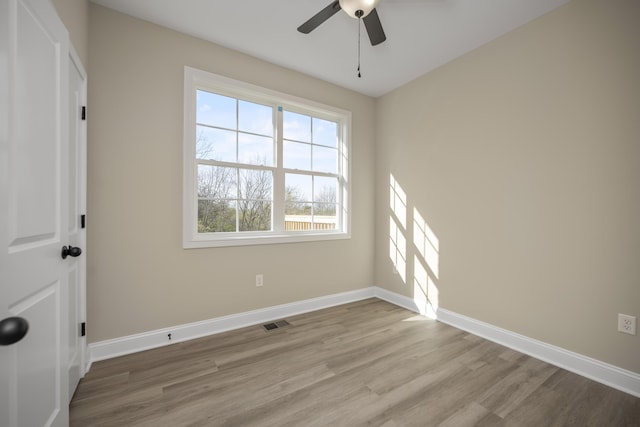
(82, 221)
(84, 113)
(83, 329)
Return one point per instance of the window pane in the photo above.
(255, 150)
(215, 144)
(255, 184)
(216, 182)
(254, 215)
(215, 110)
(325, 189)
(325, 132)
(299, 186)
(254, 204)
(298, 194)
(325, 159)
(255, 118)
(296, 155)
(325, 197)
(296, 127)
(216, 216)
(324, 216)
(325, 209)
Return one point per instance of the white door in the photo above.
(77, 207)
(34, 56)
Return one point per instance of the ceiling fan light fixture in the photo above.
(353, 6)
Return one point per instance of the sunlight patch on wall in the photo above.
(426, 242)
(398, 201)
(398, 228)
(425, 291)
(398, 249)
(426, 266)
(407, 221)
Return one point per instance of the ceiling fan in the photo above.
(359, 9)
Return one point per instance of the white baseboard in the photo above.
(607, 374)
(397, 299)
(604, 373)
(147, 340)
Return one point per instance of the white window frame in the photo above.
(194, 80)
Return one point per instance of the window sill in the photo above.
(208, 242)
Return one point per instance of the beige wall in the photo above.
(139, 277)
(75, 15)
(524, 158)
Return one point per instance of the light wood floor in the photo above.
(365, 363)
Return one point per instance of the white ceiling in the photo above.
(421, 34)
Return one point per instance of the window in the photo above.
(261, 166)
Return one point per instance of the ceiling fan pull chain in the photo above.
(359, 32)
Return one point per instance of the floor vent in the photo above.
(275, 325)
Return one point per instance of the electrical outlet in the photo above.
(259, 279)
(627, 324)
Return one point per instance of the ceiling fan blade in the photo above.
(374, 28)
(320, 17)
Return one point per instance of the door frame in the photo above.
(81, 167)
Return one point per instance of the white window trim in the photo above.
(198, 79)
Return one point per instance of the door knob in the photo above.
(12, 330)
(70, 251)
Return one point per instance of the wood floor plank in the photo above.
(511, 390)
(368, 363)
(470, 414)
